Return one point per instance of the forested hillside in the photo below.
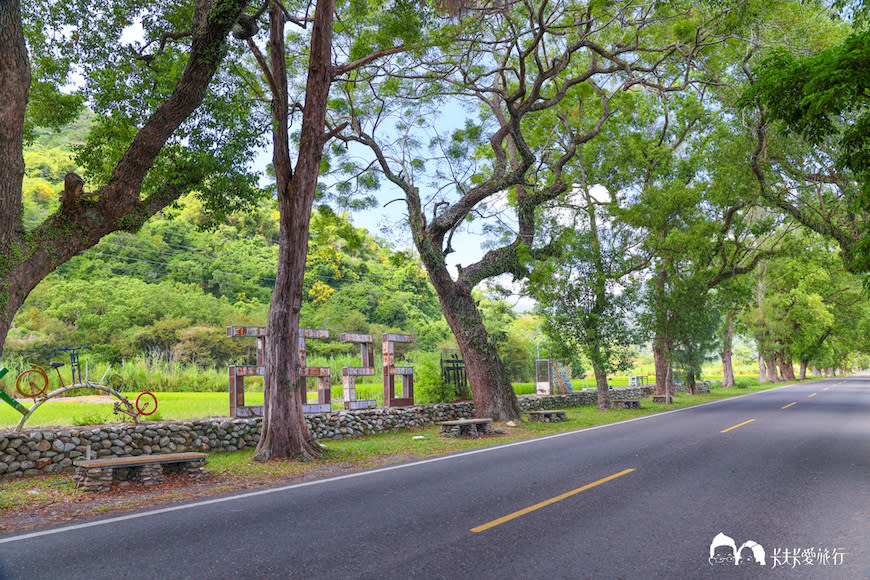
(168, 291)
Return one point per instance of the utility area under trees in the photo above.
(671, 176)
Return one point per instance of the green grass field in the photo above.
(191, 406)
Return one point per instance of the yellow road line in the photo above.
(813, 395)
(551, 501)
(827, 389)
(789, 405)
(736, 426)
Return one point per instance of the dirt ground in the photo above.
(64, 507)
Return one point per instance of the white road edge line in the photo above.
(257, 493)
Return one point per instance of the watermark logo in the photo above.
(725, 551)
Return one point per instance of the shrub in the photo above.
(428, 386)
(90, 418)
(746, 383)
(525, 388)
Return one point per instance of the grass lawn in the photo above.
(169, 406)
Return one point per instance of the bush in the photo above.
(90, 418)
(428, 386)
(746, 383)
(524, 388)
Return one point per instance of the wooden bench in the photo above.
(625, 404)
(466, 427)
(548, 415)
(98, 474)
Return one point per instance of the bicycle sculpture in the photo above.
(33, 384)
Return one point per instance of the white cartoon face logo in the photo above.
(724, 550)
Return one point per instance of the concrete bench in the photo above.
(625, 404)
(662, 399)
(548, 415)
(98, 474)
(466, 427)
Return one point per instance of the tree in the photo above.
(587, 292)
(813, 137)
(284, 431)
(522, 67)
(680, 184)
(130, 194)
(583, 298)
(732, 296)
(806, 303)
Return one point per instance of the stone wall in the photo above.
(44, 450)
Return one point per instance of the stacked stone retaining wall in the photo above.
(50, 450)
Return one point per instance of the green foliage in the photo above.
(823, 97)
(428, 386)
(167, 292)
(807, 306)
(123, 82)
(91, 418)
(746, 383)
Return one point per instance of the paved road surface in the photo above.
(787, 468)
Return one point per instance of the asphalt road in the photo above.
(788, 469)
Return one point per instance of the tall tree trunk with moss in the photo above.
(601, 387)
(491, 389)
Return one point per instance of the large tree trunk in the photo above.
(14, 90)
(804, 365)
(772, 374)
(691, 383)
(762, 369)
(727, 354)
(662, 361)
(491, 388)
(284, 432)
(786, 368)
(603, 389)
(82, 220)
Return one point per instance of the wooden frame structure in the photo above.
(237, 373)
(324, 394)
(391, 371)
(366, 369)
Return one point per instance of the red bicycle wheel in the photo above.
(146, 403)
